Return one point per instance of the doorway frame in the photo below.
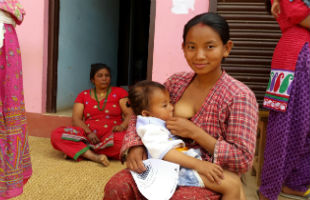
(53, 38)
(53, 32)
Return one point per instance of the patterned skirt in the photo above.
(15, 164)
(287, 151)
(123, 187)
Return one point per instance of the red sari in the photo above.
(73, 141)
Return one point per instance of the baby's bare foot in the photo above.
(103, 159)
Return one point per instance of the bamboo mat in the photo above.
(55, 178)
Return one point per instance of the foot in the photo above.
(288, 190)
(261, 196)
(65, 156)
(103, 159)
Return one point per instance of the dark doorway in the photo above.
(135, 46)
(133, 41)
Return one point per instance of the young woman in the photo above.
(213, 112)
(99, 118)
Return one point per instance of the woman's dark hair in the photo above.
(215, 21)
(139, 95)
(96, 67)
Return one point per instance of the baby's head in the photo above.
(149, 98)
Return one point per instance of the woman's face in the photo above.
(204, 50)
(102, 79)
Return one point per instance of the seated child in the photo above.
(150, 101)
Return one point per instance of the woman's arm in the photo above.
(235, 150)
(127, 112)
(77, 117)
(133, 151)
(213, 172)
(296, 12)
(305, 23)
(77, 120)
(275, 8)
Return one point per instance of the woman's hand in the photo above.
(134, 159)
(213, 172)
(93, 138)
(118, 128)
(181, 127)
(275, 8)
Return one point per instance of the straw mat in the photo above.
(55, 178)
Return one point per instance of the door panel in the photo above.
(255, 34)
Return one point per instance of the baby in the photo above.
(150, 101)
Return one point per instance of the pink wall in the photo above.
(168, 55)
(33, 47)
(167, 59)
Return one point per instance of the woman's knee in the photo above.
(55, 137)
(231, 181)
(120, 186)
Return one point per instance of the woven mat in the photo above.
(55, 178)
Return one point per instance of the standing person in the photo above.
(15, 164)
(99, 120)
(213, 112)
(286, 158)
(150, 102)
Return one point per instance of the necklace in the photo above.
(105, 99)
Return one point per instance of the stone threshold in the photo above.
(41, 124)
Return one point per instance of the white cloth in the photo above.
(159, 180)
(158, 140)
(156, 137)
(5, 18)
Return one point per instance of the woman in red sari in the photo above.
(99, 118)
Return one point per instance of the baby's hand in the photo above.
(213, 172)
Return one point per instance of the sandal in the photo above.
(291, 196)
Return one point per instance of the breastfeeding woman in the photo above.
(99, 120)
(213, 112)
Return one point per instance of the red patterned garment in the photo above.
(15, 162)
(73, 141)
(229, 114)
(14, 8)
(286, 53)
(101, 122)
